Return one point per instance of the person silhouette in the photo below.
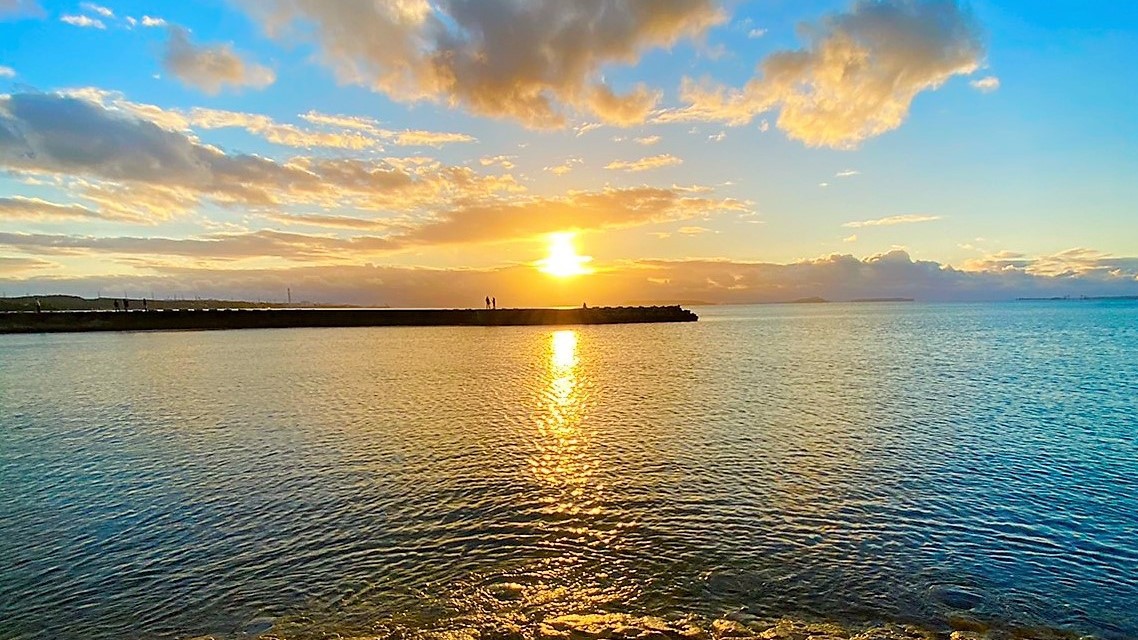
(487, 302)
(493, 303)
(116, 304)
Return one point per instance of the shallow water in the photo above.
(950, 466)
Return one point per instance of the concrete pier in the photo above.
(217, 319)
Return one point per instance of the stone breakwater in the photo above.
(216, 319)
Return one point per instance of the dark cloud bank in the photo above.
(839, 277)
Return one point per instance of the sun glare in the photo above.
(563, 261)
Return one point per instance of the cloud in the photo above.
(463, 224)
(693, 231)
(14, 267)
(405, 138)
(85, 22)
(986, 85)
(565, 167)
(756, 33)
(835, 277)
(646, 141)
(353, 134)
(586, 127)
(99, 9)
(856, 78)
(890, 221)
(35, 209)
(1077, 263)
(852, 238)
(847, 173)
(123, 167)
(717, 137)
(579, 211)
(645, 164)
(7, 72)
(80, 140)
(148, 21)
(534, 62)
(211, 68)
(224, 247)
(420, 138)
(506, 162)
(330, 221)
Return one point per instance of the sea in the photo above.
(870, 470)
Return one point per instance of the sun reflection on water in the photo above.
(563, 463)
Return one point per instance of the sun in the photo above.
(563, 261)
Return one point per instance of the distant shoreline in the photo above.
(1077, 299)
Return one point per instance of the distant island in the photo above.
(1080, 298)
(820, 300)
(668, 302)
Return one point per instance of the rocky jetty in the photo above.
(214, 319)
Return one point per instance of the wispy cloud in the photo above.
(693, 230)
(35, 209)
(506, 162)
(404, 138)
(586, 127)
(86, 22)
(7, 72)
(847, 173)
(96, 8)
(211, 68)
(646, 141)
(644, 164)
(891, 220)
(986, 85)
(565, 167)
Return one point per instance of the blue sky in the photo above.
(231, 145)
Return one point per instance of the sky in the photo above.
(433, 152)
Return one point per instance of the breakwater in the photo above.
(217, 319)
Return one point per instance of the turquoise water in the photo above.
(948, 466)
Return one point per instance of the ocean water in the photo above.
(943, 466)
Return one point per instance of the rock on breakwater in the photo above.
(215, 319)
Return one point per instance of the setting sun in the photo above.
(563, 261)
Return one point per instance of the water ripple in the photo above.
(958, 467)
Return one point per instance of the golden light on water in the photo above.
(563, 260)
(564, 350)
(564, 462)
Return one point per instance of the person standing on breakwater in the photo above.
(487, 302)
(39, 308)
(144, 307)
(116, 304)
(125, 304)
(493, 303)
